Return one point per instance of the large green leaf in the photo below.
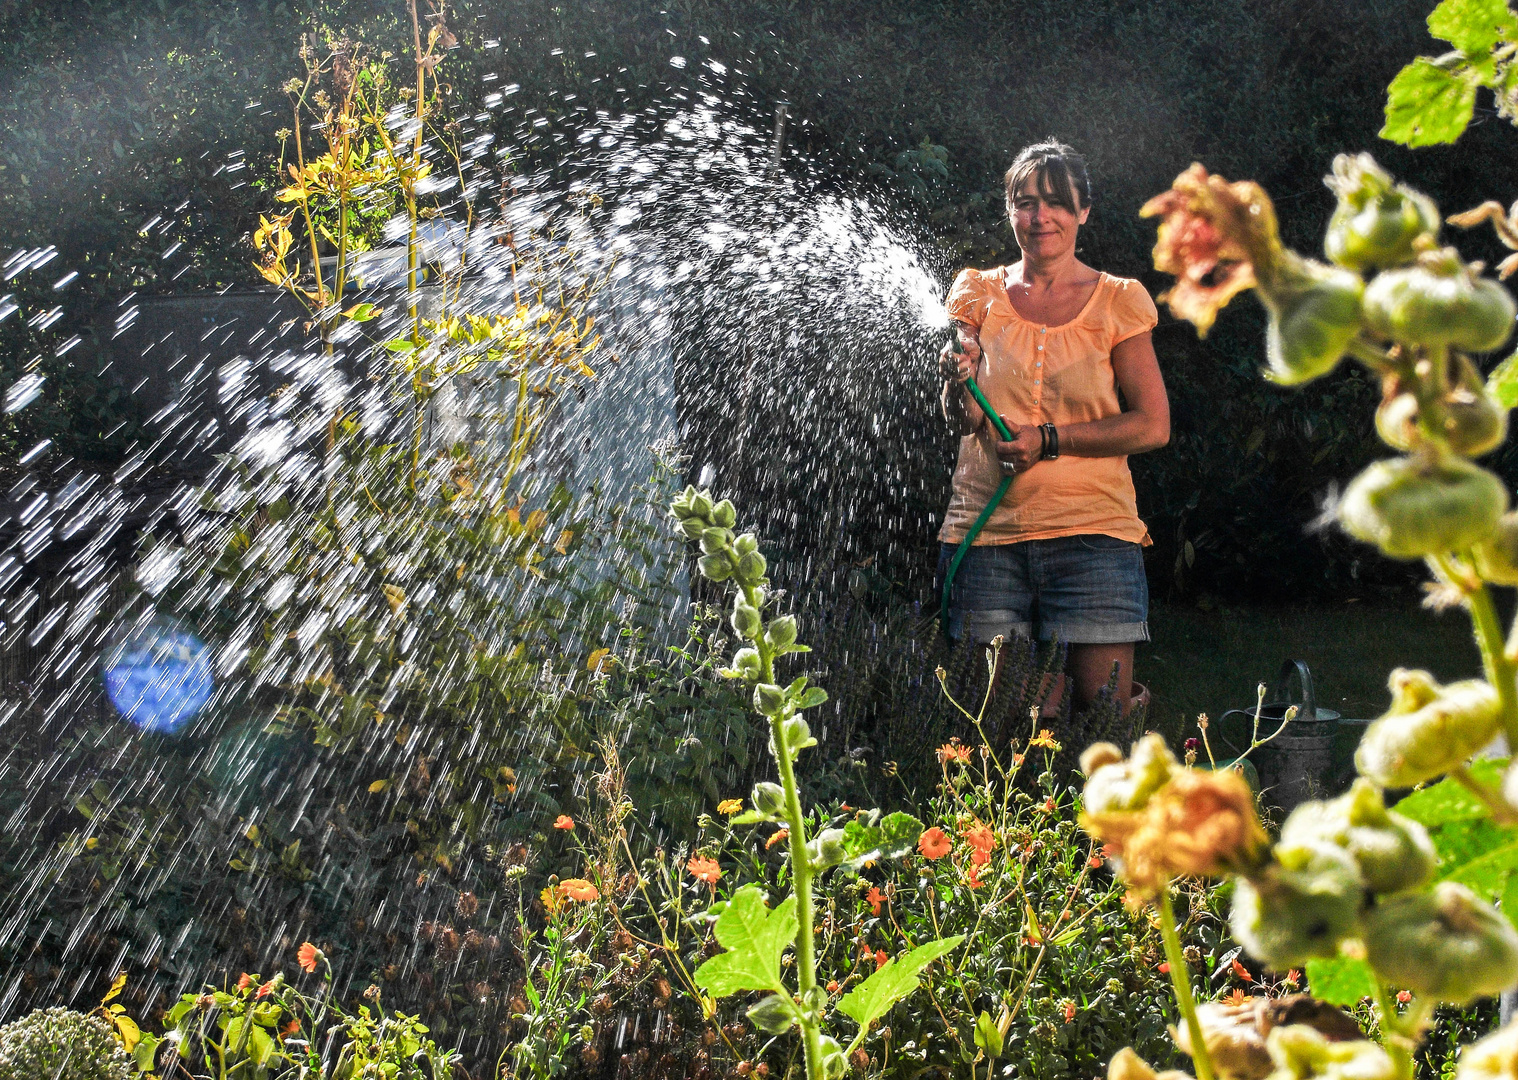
(754, 937)
(1503, 382)
(1341, 981)
(873, 998)
(1449, 801)
(892, 837)
(1428, 104)
(1472, 26)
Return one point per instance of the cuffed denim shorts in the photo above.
(1085, 590)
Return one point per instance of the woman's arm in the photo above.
(960, 408)
(1144, 426)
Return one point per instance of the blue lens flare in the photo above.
(158, 676)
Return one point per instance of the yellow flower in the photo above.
(1044, 738)
(729, 807)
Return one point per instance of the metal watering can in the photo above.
(1311, 759)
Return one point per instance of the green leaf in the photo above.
(812, 698)
(1503, 382)
(362, 312)
(401, 345)
(986, 1036)
(1472, 26)
(754, 937)
(753, 817)
(1069, 937)
(864, 842)
(145, 1051)
(1510, 899)
(1427, 104)
(873, 998)
(1478, 854)
(1450, 801)
(1341, 981)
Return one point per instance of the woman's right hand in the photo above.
(959, 367)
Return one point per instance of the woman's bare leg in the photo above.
(1090, 667)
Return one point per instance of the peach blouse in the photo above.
(1034, 374)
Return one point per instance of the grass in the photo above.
(1211, 661)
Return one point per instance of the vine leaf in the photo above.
(1340, 980)
(1472, 26)
(873, 998)
(1428, 103)
(754, 937)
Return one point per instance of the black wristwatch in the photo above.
(1051, 441)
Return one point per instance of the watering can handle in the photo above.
(1280, 694)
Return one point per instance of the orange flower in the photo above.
(1217, 238)
(703, 868)
(1095, 862)
(729, 807)
(934, 844)
(832, 986)
(266, 989)
(776, 837)
(578, 889)
(1242, 972)
(880, 959)
(1048, 806)
(564, 822)
(979, 837)
(308, 957)
(1165, 969)
(874, 898)
(953, 751)
(1404, 996)
(292, 1028)
(244, 981)
(1237, 998)
(1045, 739)
(979, 856)
(972, 879)
(1294, 977)
(1069, 1011)
(1017, 761)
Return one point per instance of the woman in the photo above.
(1051, 342)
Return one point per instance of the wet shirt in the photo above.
(1035, 374)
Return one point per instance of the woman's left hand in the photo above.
(1026, 447)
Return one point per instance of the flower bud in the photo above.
(1310, 326)
(1445, 943)
(746, 544)
(768, 798)
(714, 539)
(701, 505)
(782, 631)
(725, 514)
(715, 567)
(680, 504)
(1301, 1052)
(746, 619)
(834, 1063)
(1392, 852)
(1126, 785)
(751, 568)
(1493, 1058)
(747, 663)
(1439, 302)
(769, 698)
(1472, 422)
(693, 527)
(1414, 507)
(1300, 906)
(1496, 557)
(1429, 729)
(773, 1015)
(1397, 420)
(1094, 756)
(798, 733)
(1376, 224)
(826, 849)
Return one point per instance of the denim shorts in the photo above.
(1085, 590)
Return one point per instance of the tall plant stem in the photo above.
(1501, 670)
(410, 187)
(801, 863)
(1180, 980)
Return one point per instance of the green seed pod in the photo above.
(768, 798)
(1300, 906)
(1377, 224)
(1475, 422)
(680, 504)
(769, 698)
(715, 567)
(1122, 786)
(773, 1015)
(1392, 852)
(715, 539)
(782, 631)
(1497, 555)
(746, 544)
(826, 849)
(1445, 943)
(746, 619)
(1493, 1058)
(693, 527)
(834, 1064)
(725, 514)
(1416, 506)
(1301, 1052)
(1310, 328)
(1429, 729)
(798, 733)
(747, 662)
(1397, 421)
(1439, 302)
(751, 567)
(701, 505)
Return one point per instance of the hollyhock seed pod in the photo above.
(1473, 422)
(715, 567)
(714, 539)
(751, 568)
(1300, 1051)
(747, 663)
(1429, 729)
(769, 698)
(701, 505)
(1311, 327)
(1123, 786)
(1497, 556)
(1414, 507)
(1299, 907)
(746, 618)
(781, 632)
(725, 514)
(746, 544)
(693, 527)
(1445, 943)
(1438, 302)
(834, 1063)
(773, 1015)
(769, 798)
(1377, 224)
(826, 849)
(1493, 1058)
(1392, 852)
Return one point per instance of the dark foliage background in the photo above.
(114, 112)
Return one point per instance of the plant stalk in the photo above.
(1180, 980)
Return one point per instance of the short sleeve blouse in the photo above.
(1035, 374)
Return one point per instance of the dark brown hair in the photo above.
(1061, 172)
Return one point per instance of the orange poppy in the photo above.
(703, 868)
(979, 856)
(564, 822)
(934, 844)
(266, 989)
(308, 957)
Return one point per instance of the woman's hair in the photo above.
(1061, 173)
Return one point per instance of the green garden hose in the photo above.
(985, 515)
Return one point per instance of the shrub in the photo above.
(60, 1044)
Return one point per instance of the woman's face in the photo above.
(1044, 229)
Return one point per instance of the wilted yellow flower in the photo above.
(729, 807)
